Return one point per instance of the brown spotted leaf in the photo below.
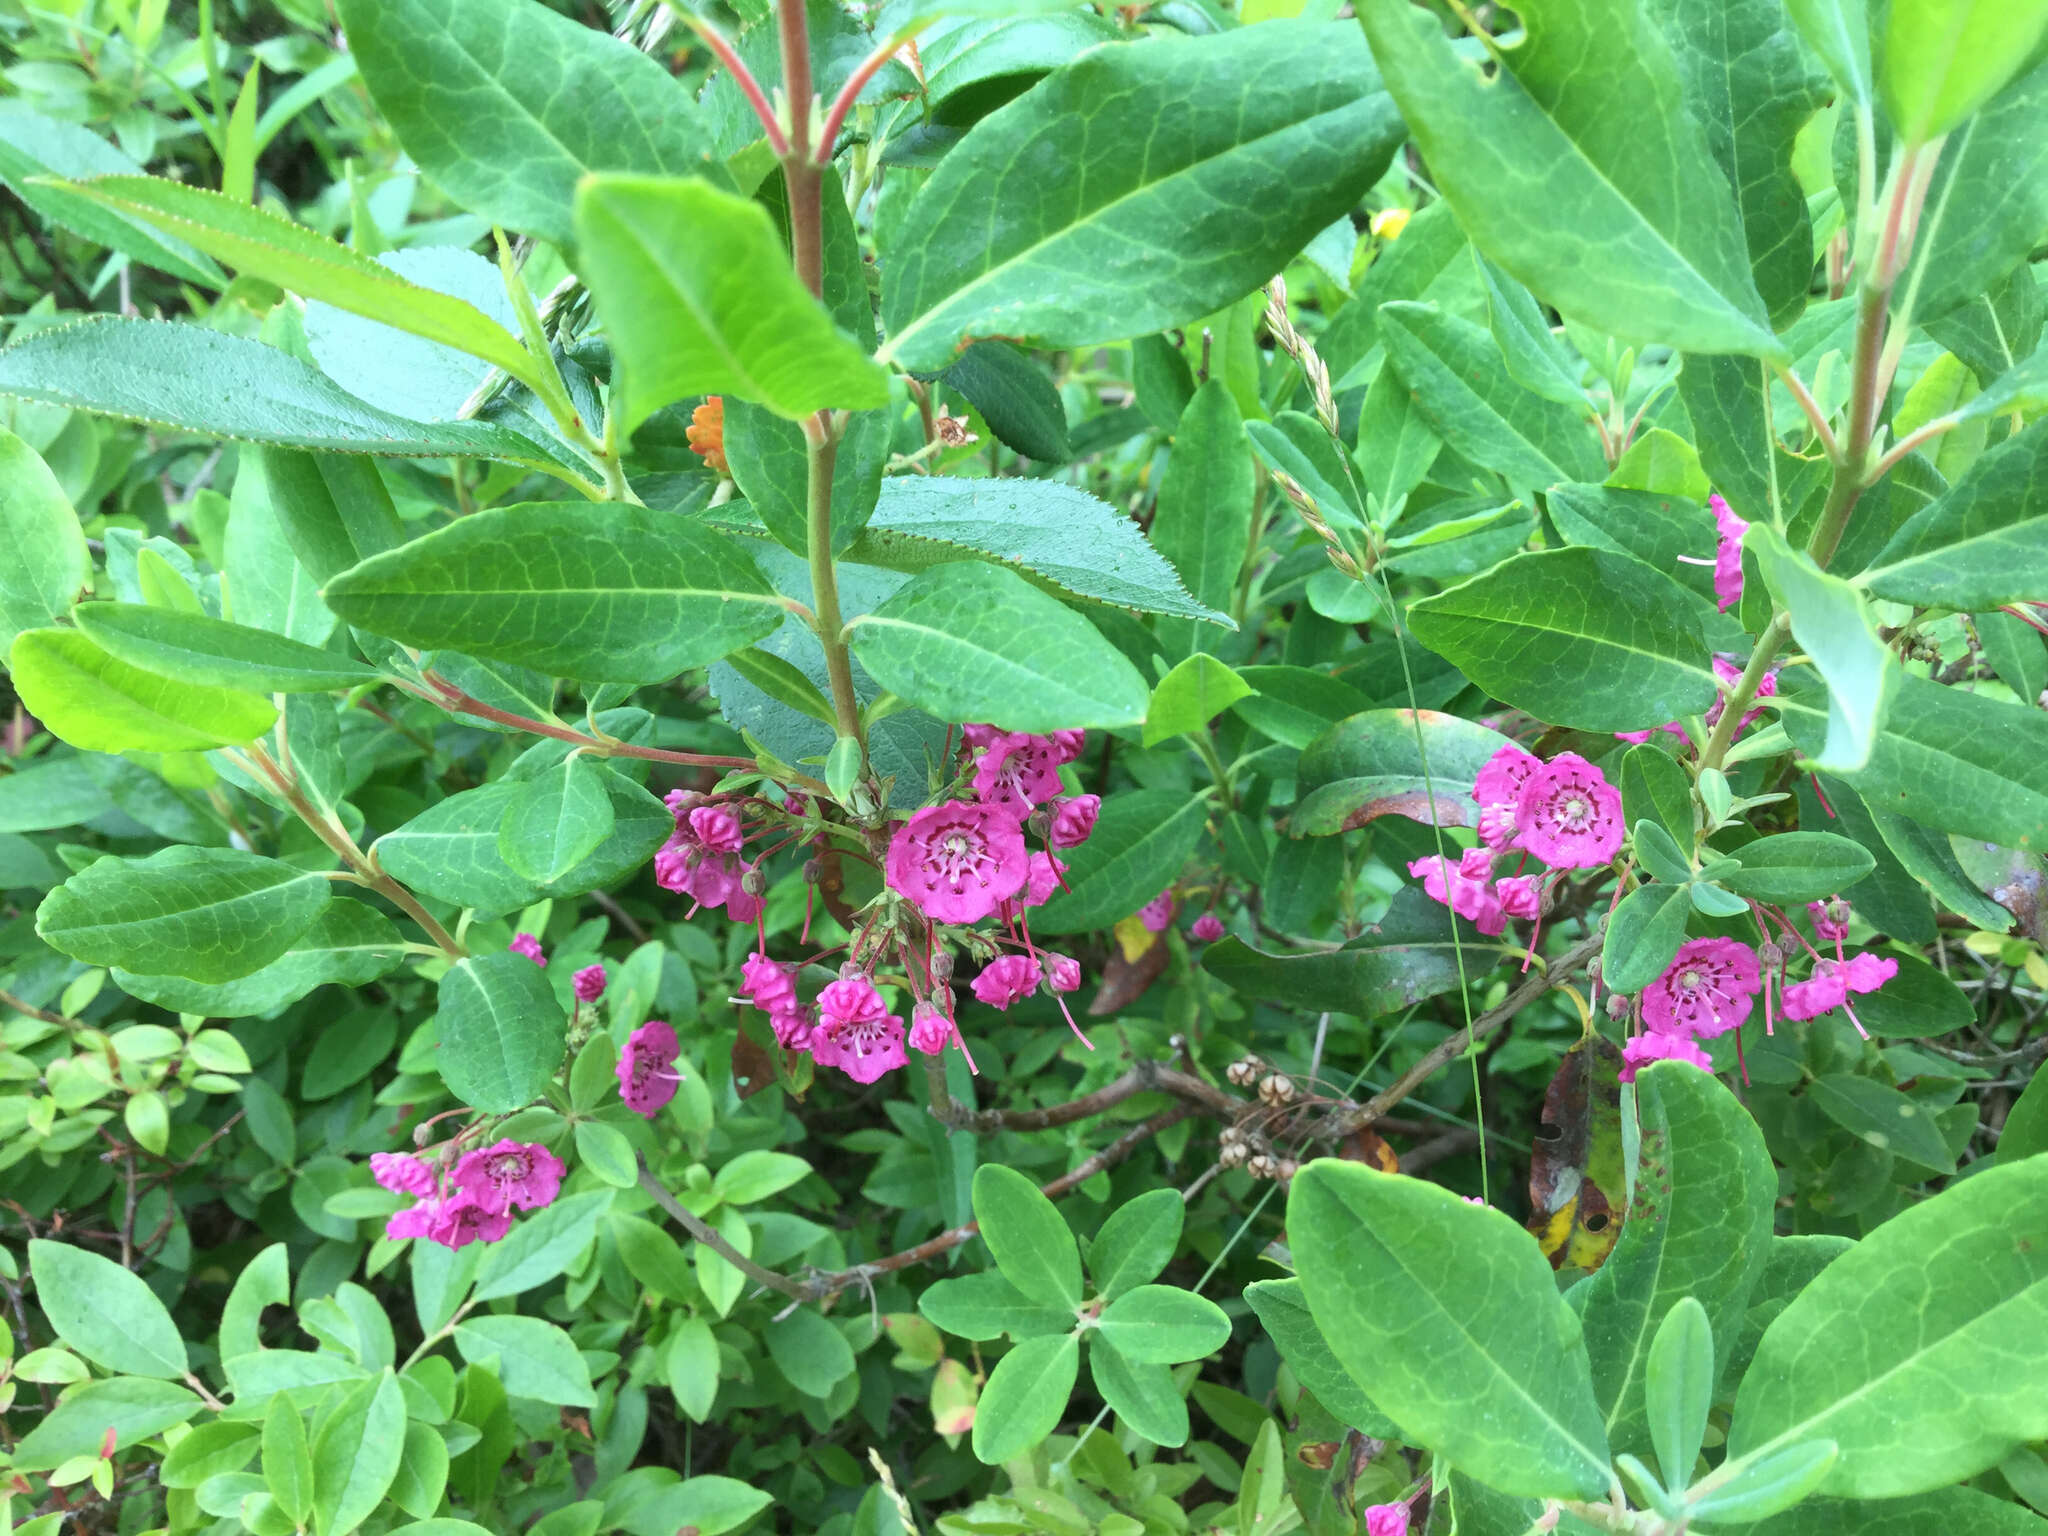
(1372, 765)
(1577, 1187)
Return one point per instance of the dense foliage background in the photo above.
(1283, 470)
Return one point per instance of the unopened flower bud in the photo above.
(1770, 957)
(754, 883)
(589, 983)
(1618, 1006)
(941, 966)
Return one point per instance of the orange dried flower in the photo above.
(707, 433)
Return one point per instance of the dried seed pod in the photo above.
(1276, 1089)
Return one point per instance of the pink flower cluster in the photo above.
(1707, 990)
(481, 1191)
(701, 858)
(1727, 552)
(647, 1068)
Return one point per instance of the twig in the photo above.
(710, 1237)
(11, 1001)
(1143, 1077)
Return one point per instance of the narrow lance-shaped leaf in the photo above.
(214, 652)
(1204, 516)
(99, 703)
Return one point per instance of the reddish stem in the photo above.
(849, 92)
(743, 77)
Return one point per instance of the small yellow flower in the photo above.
(1388, 223)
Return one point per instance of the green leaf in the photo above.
(1455, 374)
(1643, 936)
(1947, 1302)
(755, 1175)
(333, 511)
(1838, 31)
(1992, 202)
(1655, 788)
(606, 1152)
(1300, 447)
(1283, 1312)
(1946, 1511)
(1832, 624)
(47, 562)
(1189, 697)
(1371, 765)
(356, 1453)
(1622, 221)
(1137, 1241)
(1372, 1249)
(1014, 396)
(262, 244)
(288, 1458)
(611, 593)
(557, 819)
(264, 1282)
(969, 641)
(205, 381)
(987, 1306)
(104, 1312)
(1793, 867)
(349, 943)
(102, 704)
(208, 1451)
(810, 1352)
(1883, 1117)
(1536, 358)
(1943, 59)
(507, 106)
(782, 681)
(1409, 954)
(1949, 759)
(1772, 1482)
(1140, 843)
(1054, 536)
(1578, 637)
(535, 1359)
(1025, 1398)
(1027, 1235)
(692, 1367)
(208, 914)
(1109, 249)
(694, 286)
(770, 463)
(422, 1476)
(502, 1031)
(713, 1505)
(133, 1407)
(1143, 1396)
(1929, 857)
(1204, 517)
(192, 648)
(1982, 543)
(1678, 1388)
(1163, 1325)
(540, 1246)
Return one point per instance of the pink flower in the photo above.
(1707, 989)
(415, 1221)
(930, 1030)
(588, 983)
(1069, 743)
(1073, 820)
(1727, 553)
(956, 861)
(1520, 896)
(1064, 971)
(646, 1069)
(794, 1026)
(769, 985)
(717, 828)
(741, 904)
(1568, 815)
(526, 944)
(1468, 896)
(1386, 1519)
(464, 1219)
(855, 1031)
(1868, 972)
(1497, 788)
(1157, 914)
(1832, 983)
(513, 1175)
(404, 1174)
(1825, 927)
(1208, 928)
(1644, 1049)
(1039, 884)
(1006, 980)
(981, 736)
(1018, 771)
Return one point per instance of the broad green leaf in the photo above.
(1204, 516)
(755, 1175)
(1882, 1116)
(1930, 858)
(349, 943)
(557, 819)
(1678, 1382)
(102, 704)
(535, 1359)
(1578, 637)
(356, 1453)
(711, 1505)
(1945, 1512)
(288, 1458)
(810, 1352)
(207, 914)
(1655, 788)
(334, 510)
(987, 1306)
(1947, 1302)
(1642, 936)
(784, 682)
(1409, 954)
(1431, 261)
(56, 791)
(264, 1282)
(691, 1367)
(1536, 358)
(265, 245)
(1027, 1235)
(1054, 536)
(1163, 1325)
(1143, 1396)
(1983, 543)
(1833, 626)
(208, 1451)
(607, 593)
(1456, 376)
(1283, 1312)
(1013, 394)
(2026, 1123)
(1621, 220)
(970, 641)
(507, 106)
(540, 1246)
(1137, 1241)
(1794, 867)
(1943, 59)
(1957, 761)
(1987, 204)
(1753, 88)
(104, 1312)
(34, 148)
(1372, 1249)
(205, 381)
(1373, 764)
(1140, 843)
(501, 1031)
(1189, 697)
(47, 563)
(193, 648)
(268, 586)
(770, 464)
(1025, 1398)
(1664, 532)
(403, 372)
(1838, 31)
(1700, 1226)
(422, 1476)
(694, 287)
(1238, 178)
(133, 1407)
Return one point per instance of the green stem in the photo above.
(824, 452)
(1744, 691)
(1207, 750)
